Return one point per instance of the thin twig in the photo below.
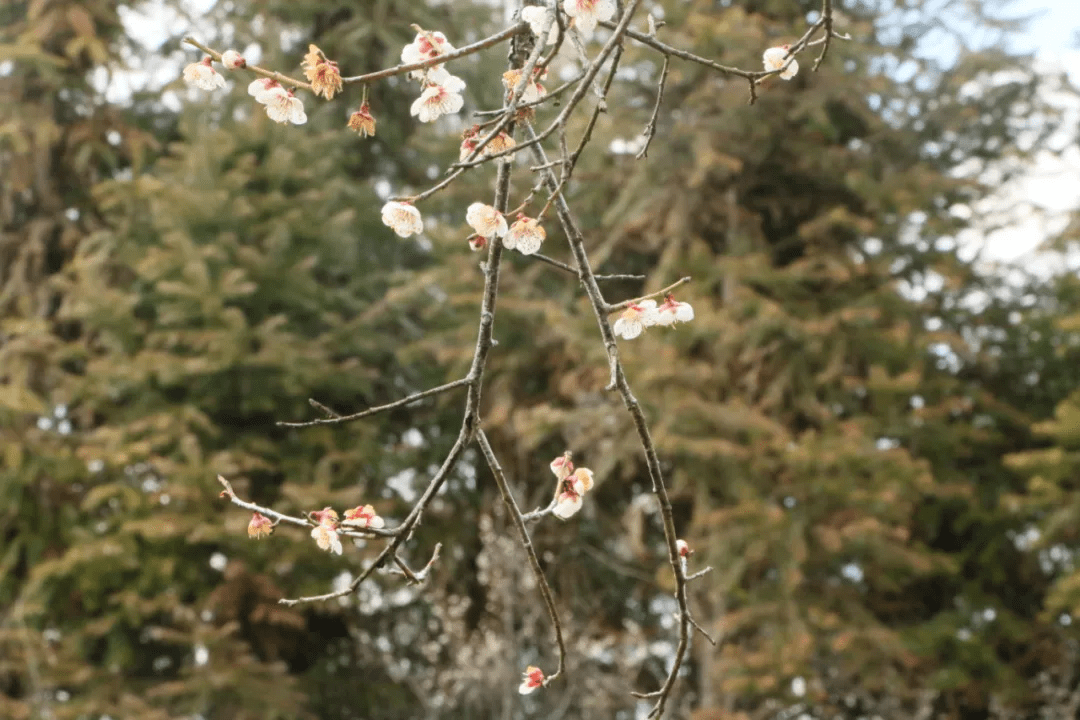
(827, 19)
(337, 419)
(283, 79)
(526, 542)
(650, 130)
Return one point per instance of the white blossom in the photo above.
(672, 312)
(233, 60)
(285, 108)
(326, 537)
(525, 235)
(436, 101)
(533, 90)
(774, 59)
(402, 218)
(587, 13)
(635, 319)
(426, 46)
(486, 220)
(263, 89)
(566, 505)
(203, 75)
(441, 77)
(363, 517)
(538, 16)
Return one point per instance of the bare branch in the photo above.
(335, 419)
(526, 542)
(650, 130)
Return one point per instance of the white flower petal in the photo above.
(402, 218)
(567, 505)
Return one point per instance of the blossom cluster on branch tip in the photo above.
(326, 532)
(775, 57)
(281, 105)
(525, 235)
(322, 73)
(534, 678)
(203, 75)
(586, 14)
(260, 526)
(645, 313)
(402, 218)
(441, 93)
(572, 485)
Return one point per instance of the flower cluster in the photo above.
(645, 313)
(441, 94)
(573, 484)
(323, 74)
(534, 678)
(403, 218)
(775, 57)
(281, 105)
(326, 532)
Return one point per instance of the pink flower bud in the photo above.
(232, 60)
(534, 678)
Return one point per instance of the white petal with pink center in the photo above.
(525, 235)
(485, 220)
(538, 17)
(440, 76)
(425, 46)
(326, 538)
(566, 505)
(285, 108)
(202, 75)
(434, 102)
(232, 60)
(587, 13)
(402, 218)
(262, 89)
(635, 319)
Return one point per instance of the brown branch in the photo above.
(650, 130)
(526, 542)
(619, 382)
(459, 53)
(827, 19)
(335, 419)
(283, 79)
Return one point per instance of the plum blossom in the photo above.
(285, 108)
(402, 218)
(672, 312)
(323, 74)
(500, 143)
(233, 60)
(683, 548)
(363, 517)
(525, 235)
(587, 13)
(774, 59)
(203, 75)
(262, 89)
(441, 77)
(469, 141)
(533, 90)
(325, 533)
(534, 678)
(635, 319)
(477, 243)
(434, 102)
(485, 220)
(573, 484)
(538, 17)
(426, 46)
(260, 526)
(362, 121)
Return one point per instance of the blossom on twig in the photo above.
(534, 678)
(203, 75)
(402, 218)
(533, 90)
(434, 102)
(525, 235)
(362, 121)
(284, 107)
(441, 77)
(635, 319)
(425, 46)
(672, 312)
(363, 517)
(485, 220)
(262, 89)
(774, 59)
(233, 60)
(571, 488)
(469, 141)
(562, 466)
(587, 13)
(683, 548)
(260, 526)
(538, 16)
(322, 73)
(325, 533)
(500, 143)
